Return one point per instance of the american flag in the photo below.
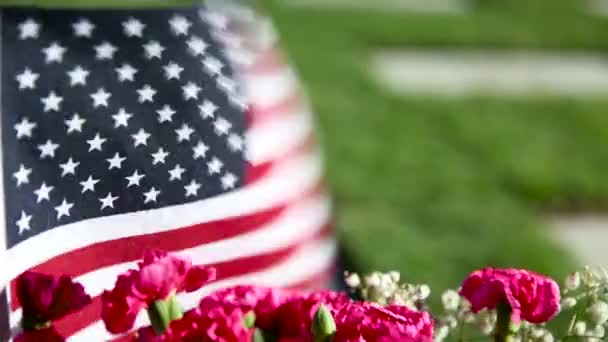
(172, 129)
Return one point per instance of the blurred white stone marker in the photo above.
(451, 7)
(585, 236)
(510, 73)
(598, 7)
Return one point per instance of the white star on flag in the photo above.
(108, 201)
(63, 209)
(27, 79)
(179, 25)
(29, 29)
(43, 192)
(134, 179)
(83, 28)
(53, 53)
(89, 184)
(69, 167)
(52, 102)
(96, 142)
(78, 75)
(140, 138)
(153, 49)
(22, 175)
(151, 195)
(146, 94)
(75, 123)
(48, 149)
(176, 173)
(126, 73)
(100, 98)
(159, 157)
(24, 128)
(133, 28)
(192, 188)
(24, 222)
(105, 51)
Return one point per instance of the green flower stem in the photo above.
(505, 329)
(32, 324)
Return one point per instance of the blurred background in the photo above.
(459, 133)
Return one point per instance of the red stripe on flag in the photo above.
(242, 266)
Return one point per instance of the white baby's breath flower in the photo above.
(537, 333)
(573, 281)
(423, 292)
(598, 331)
(580, 328)
(450, 300)
(352, 280)
(373, 280)
(568, 303)
(441, 333)
(485, 326)
(599, 313)
(396, 276)
(548, 337)
(468, 317)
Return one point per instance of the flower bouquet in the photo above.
(491, 304)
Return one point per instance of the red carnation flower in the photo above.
(531, 296)
(160, 275)
(48, 334)
(46, 298)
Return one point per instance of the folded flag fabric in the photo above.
(181, 129)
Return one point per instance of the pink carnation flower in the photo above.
(46, 298)
(215, 325)
(160, 274)
(531, 296)
(263, 301)
(357, 322)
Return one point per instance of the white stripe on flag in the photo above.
(287, 181)
(264, 90)
(309, 261)
(278, 136)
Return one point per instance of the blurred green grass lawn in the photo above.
(436, 187)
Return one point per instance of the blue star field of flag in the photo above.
(109, 112)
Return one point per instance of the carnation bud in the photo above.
(450, 300)
(423, 292)
(323, 325)
(249, 320)
(573, 281)
(352, 280)
(599, 312)
(579, 328)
